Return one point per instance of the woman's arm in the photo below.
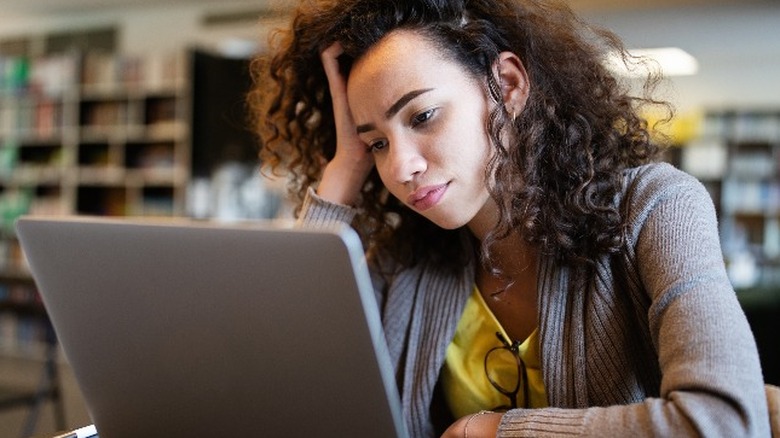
(711, 377)
(709, 361)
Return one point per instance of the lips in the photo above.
(426, 197)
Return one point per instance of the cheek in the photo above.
(383, 169)
(475, 149)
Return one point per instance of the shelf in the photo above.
(32, 176)
(23, 317)
(23, 309)
(737, 158)
(100, 133)
(32, 351)
(15, 276)
(32, 140)
(101, 176)
(93, 134)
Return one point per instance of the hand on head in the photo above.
(344, 176)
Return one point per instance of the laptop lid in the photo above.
(193, 329)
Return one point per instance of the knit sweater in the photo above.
(656, 345)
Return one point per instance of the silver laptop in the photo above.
(191, 329)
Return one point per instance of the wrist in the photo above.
(342, 182)
(483, 423)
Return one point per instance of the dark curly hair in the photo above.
(556, 183)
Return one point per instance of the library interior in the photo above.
(135, 108)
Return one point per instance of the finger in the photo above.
(330, 63)
(333, 51)
(338, 88)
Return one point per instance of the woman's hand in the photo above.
(479, 425)
(346, 173)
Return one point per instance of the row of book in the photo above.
(22, 332)
(28, 118)
(107, 70)
(43, 119)
(751, 196)
(744, 126)
(45, 165)
(47, 76)
(55, 74)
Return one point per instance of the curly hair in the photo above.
(556, 181)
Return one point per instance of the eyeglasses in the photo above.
(498, 355)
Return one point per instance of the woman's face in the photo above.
(425, 120)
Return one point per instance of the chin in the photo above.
(449, 223)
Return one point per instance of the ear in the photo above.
(513, 80)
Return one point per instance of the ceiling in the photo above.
(65, 6)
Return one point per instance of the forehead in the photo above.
(402, 60)
(398, 50)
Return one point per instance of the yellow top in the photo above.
(466, 387)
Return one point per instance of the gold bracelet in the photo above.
(466, 426)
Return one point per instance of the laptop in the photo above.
(178, 328)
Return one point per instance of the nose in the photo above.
(404, 161)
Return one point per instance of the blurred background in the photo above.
(135, 108)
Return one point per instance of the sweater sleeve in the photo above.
(711, 377)
(317, 212)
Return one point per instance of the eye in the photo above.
(422, 117)
(377, 145)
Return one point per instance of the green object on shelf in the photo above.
(13, 205)
(15, 74)
(9, 156)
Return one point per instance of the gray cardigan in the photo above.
(671, 356)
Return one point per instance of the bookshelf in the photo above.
(90, 134)
(737, 157)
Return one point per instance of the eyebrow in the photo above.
(394, 108)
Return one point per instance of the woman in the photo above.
(536, 273)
